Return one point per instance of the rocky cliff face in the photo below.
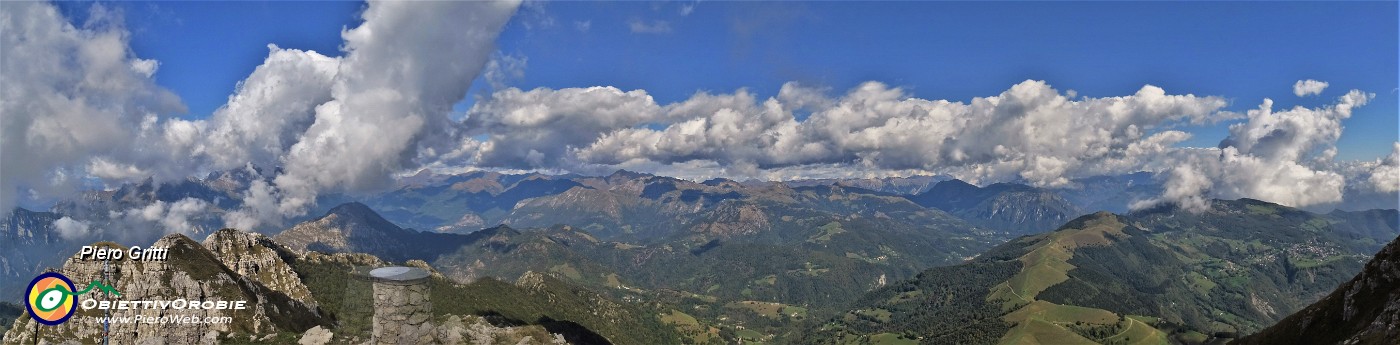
(257, 257)
(29, 242)
(192, 274)
(1365, 310)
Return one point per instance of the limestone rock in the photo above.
(316, 336)
(191, 274)
(476, 330)
(257, 257)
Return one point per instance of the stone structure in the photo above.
(401, 306)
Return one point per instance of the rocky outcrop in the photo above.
(191, 274)
(476, 330)
(316, 336)
(350, 259)
(257, 257)
(1365, 310)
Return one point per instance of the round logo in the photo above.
(50, 300)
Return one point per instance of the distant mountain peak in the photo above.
(718, 181)
(350, 208)
(501, 229)
(954, 183)
(344, 228)
(355, 228)
(626, 174)
(358, 213)
(1101, 220)
(1010, 207)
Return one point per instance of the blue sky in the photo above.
(1244, 51)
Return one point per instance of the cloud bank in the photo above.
(1030, 132)
(349, 123)
(330, 123)
(71, 96)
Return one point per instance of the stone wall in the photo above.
(401, 313)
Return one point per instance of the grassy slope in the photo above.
(1042, 322)
(996, 299)
(577, 313)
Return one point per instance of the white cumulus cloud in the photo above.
(513, 123)
(1308, 87)
(71, 229)
(1279, 157)
(269, 109)
(343, 123)
(350, 123)
(1030, 132)
(1385, 177)
(391, 94)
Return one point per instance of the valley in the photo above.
(727, 262)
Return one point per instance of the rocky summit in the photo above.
(257, 257)
(231, 266)
(191, 274)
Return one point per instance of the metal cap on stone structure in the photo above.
(398, 275)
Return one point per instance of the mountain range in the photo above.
(898, 260)
(1018, 209)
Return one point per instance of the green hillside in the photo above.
(581, 315)
(832, 264)
(1152, 277)
(807, 248)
